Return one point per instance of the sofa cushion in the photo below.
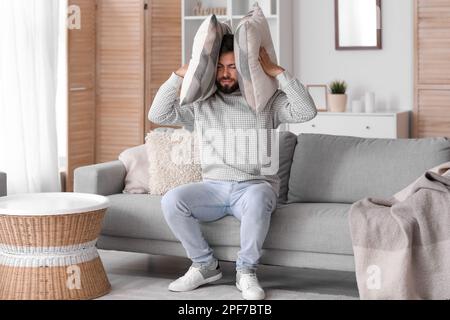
(288, 141)
(251, 34)
(174, 159)
(199, 83)
(342, 169)
(135, 161)
(311, 227)
(141, 216)
(136, 216)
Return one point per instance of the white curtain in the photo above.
(29, 35)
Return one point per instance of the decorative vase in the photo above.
(370, 102)
(357, 106)
(337, 102)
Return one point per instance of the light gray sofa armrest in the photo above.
(103, 179)
(3, 189)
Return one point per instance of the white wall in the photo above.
(387, 72)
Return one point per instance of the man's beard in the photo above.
(227, 89)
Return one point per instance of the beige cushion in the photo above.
(199, 82)
(136, 163)
(174, 160)
(252, 33)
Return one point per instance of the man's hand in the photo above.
(182, 71)
(268, 66)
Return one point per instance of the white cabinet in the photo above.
(277, 12)
(366, 125)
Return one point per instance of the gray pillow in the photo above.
(342, 169)
(199, 83)
(288, 141)
(251, 34)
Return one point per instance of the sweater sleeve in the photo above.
(166, 109)
(292, 103)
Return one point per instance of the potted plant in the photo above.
(337, 98)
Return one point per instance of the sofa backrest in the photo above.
(342, 169)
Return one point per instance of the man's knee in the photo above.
(174, 202)
(263, 197)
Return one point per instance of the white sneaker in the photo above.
(249, 285)
(196, 276)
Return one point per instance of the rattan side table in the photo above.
(47, 246)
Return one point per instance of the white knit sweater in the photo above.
(231, 133)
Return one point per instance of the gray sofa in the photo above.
(3, 189)
(322, 175)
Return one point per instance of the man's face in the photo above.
(226, 79)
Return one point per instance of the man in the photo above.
(228, 187)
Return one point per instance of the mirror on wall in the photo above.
(358, 24)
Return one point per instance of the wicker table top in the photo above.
(36, 204)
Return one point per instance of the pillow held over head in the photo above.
(252, 33)
(199, 82)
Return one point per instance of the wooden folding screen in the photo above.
(123, 52)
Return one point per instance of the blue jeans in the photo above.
(251, 202)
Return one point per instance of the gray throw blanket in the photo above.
(402, 247)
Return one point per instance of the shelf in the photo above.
(242, 7)
(242, 16)
(277, 12)
(204, 17)
(224, 17)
